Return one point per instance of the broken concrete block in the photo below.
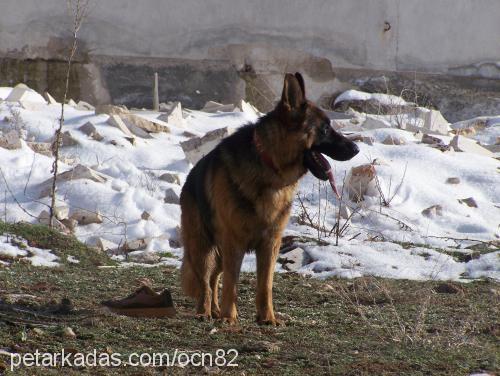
(144, 124)
(68, 140)
(295, 259)
(435, 122)
(44, 148)
(394, 140)
(21, 93)
(70, 224)
(44, 219)
(366, 139)
(78, 172)
(433, 211)
(360, 182)
(143, 257)
(374, 123)
(248, 108)
(86, 217)
(213, 107)
(197, 147)
(453, 180)
(117, 122)
(139, 132)
(84, 106)
(171, 197)
(136, 245)
(61, 212)
(49, 98)
(145, 216)
(431, 140)
(464, 144)
(470, 202)
(90, 130)
(174, 116)
(105, 245)
(11, 140)
(110, 109)
(72, 103)
(170, 177)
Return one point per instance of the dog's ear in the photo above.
(293, 96)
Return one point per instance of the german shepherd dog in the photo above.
(238, 198)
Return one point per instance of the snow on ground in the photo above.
(13, 248)
(386, 99)
(395, 241)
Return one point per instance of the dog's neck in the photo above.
(263, 154)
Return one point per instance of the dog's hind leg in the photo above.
(214, 286)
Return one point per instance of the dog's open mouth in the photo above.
(318, 165)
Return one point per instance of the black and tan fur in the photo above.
(238, 198)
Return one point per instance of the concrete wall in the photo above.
(457, 37)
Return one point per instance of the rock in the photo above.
(139, 132)
(49, 98)
(145, 216)
(170, 177)
(11, 140)
(197, 147)
(366, 139)
(90, 130)
(174, 116)
(44, 219)
(371, 103)
(171, 197)
(433, 211)
(68, 140)
(143, 257)
(78, 172)
(117, 122)
(295, 259)
(144, 124)
(464, 144)
(213, 107)
(22, 93)
(84, 106)
(110, 109)
(453, 180)
(469, 201)
(131, 140)
(394, 140)
(86, 217)
(374, 123)
(44, 148)
(38, 331)
(435, 122)
(69, 333)
(106, 245)
(136, 245)
(61, 212)
(70, 224)
(72, 103)
(361, 182)
(189, 134)
(431, 140)
(248, 108)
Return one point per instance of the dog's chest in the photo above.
(274, 205)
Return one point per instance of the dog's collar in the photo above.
(263, 154)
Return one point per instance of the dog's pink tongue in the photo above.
(329, 172)
(331, 179)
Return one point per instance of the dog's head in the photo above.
(312, 128)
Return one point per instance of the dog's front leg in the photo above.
(231, 265)
(267, 254)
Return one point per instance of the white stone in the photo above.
(248, 108)
(213, 107)
(44, 219)
(197, 147)
(170, 177)
(434, 121)
(464, 144)
(171, 197)
(394, 140)
(295, 259)
(85, 217)
(49, 98)
(117, 122)
(174, 116)
(144, 124)
(72, 103)
(110, 109)
(44, 148)
(68, 140)
(61, 212)
(374, 123)
(84, 106)
(433, 211)
(90, 130)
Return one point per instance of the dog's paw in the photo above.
(270, 321)
(203, 317)
(229, 320)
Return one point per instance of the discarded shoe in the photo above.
(143, 303)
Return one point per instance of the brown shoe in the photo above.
(143, 303)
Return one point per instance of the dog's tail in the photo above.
(189, 281)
